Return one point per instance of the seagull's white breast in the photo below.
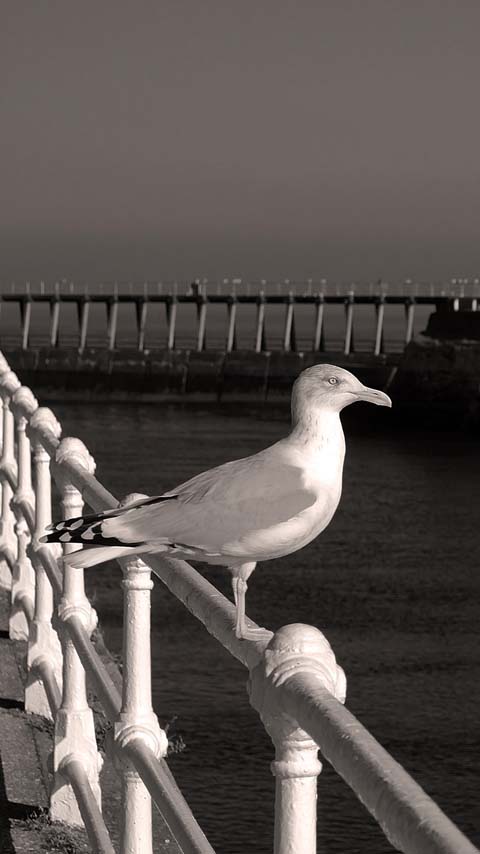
(322, 477)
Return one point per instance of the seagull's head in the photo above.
(329, 387)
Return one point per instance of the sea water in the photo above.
(393, 583)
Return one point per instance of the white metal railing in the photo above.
(295, 683)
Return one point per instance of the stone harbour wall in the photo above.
(171, 374)
(432, 379)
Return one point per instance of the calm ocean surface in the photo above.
(394, 584)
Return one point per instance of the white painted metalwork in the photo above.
(295, 683)
(9, 383)
(43, 643)
(74, 738)
(23, 575)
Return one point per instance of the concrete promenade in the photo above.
(26, 742)
(25, 745)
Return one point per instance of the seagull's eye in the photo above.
(333, 381)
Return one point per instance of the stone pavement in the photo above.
(25, 748)
(25, 745)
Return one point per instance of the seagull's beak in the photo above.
(372, 395)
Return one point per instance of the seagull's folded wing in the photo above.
(219, 507)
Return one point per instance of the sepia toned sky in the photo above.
(336, 138)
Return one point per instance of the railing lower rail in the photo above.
(295, 683)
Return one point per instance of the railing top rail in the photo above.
(410, 819)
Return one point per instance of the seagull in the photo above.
(253, 509)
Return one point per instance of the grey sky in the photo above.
(173, 138)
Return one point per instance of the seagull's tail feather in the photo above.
(83, 558)
(88, 530)
(92, 532)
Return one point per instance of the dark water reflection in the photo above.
(393, 583)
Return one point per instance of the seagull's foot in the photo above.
(253, 633)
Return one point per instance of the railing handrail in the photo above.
(293, 677)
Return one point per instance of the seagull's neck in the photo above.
(315, 429)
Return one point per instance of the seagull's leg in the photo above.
(239, 587)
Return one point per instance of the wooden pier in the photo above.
(198, 320)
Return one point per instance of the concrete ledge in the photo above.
(161, 373)
(431, 378)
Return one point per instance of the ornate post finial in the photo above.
(9, 383)
(24, 403)
(44, 421)
(302, 652)
(71, 448)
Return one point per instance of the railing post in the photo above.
(43, 644)
(292, 650)
(137, 719)
(74, 724)
(9, 383)
(5, 576)
(23, 575)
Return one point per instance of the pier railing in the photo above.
(294, 681)
(371, 321)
